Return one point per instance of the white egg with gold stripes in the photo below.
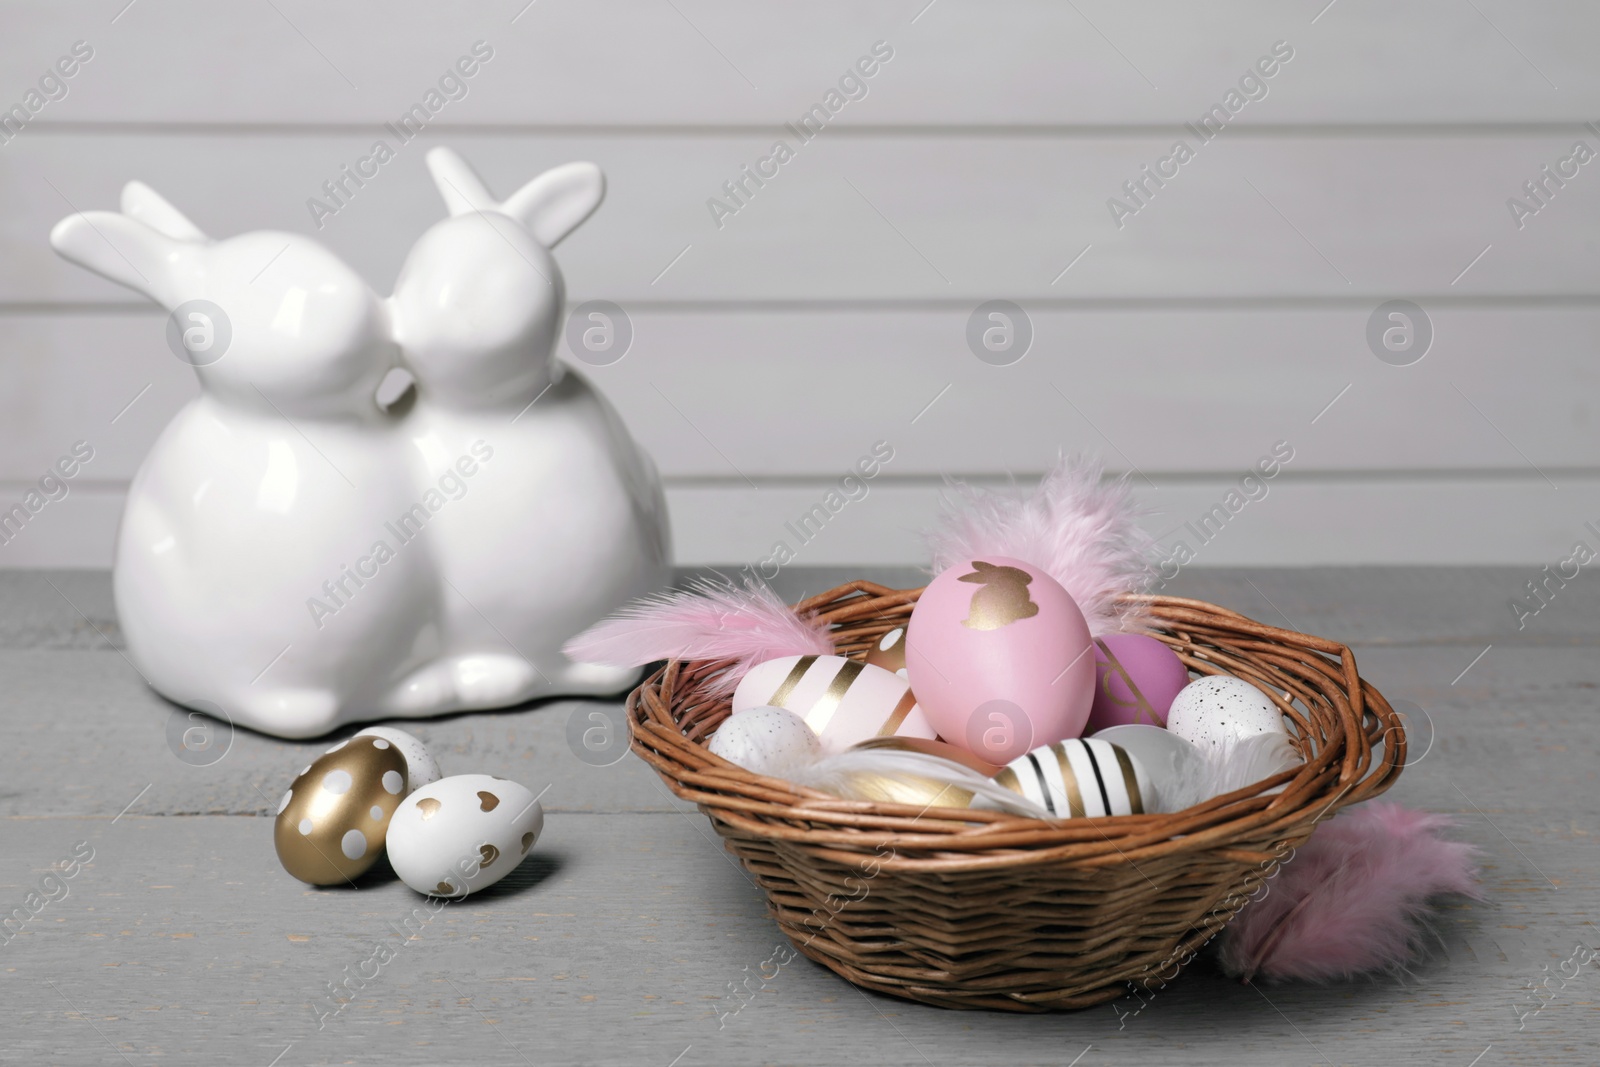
(844, 701)
(1081, 778)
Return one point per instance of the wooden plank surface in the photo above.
(1386, 459)
(1226, 385)
(926, 216)
(1090, 63)
(618, 941)
(1340, 520)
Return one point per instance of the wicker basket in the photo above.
(975, 909)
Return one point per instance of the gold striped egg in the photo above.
(332, 821)
(844, 701)
(1081, 778)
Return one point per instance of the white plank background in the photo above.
(830, 312)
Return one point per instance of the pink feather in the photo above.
(712, 619)
(1351, 899)
(1076, 528)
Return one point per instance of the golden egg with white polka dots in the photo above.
(889, 651)
(332, 821)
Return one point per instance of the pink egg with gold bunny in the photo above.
(1000, 658)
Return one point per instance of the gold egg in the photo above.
(913, 788)
(906, 789)
(889, 651)
(942, 749)
(332, 821)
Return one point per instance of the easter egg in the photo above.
(462, 834)
(843, 700)
(942, 749)
(919, 790)
(889, 652)
(765, 741)
(1220, 709)
(1081, 778)
(1000, 658)
(421, 768)
(1135, 679)
(332, 822)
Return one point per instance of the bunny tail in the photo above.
(1076, 529)
(711, 619)
(1351, 899)
(859, 774)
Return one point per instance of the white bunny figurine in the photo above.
(268, 489)
(562, 517)
(297, 557)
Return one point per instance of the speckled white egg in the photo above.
(1220, 709)
(462, 834)
(765, 741)
(421, 768)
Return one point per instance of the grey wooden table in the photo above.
(620, 939)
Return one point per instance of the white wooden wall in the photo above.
(831, 310)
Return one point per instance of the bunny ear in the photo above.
(462, 189)
(123, 249)
(557, 201)
(143, 203)
(551, 206)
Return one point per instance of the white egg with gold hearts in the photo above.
(462, 834)
(843, 701)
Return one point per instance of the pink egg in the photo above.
(1136, 678)
(1000, 658)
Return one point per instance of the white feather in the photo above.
(1183, 784)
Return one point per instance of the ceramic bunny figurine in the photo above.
(298, 557)
(276, 477)
(564, 518)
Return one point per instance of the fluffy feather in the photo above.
(711, 619)
(1185, 783)
(1352, 898)
(1075, 528)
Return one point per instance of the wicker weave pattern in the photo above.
(973, 909)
